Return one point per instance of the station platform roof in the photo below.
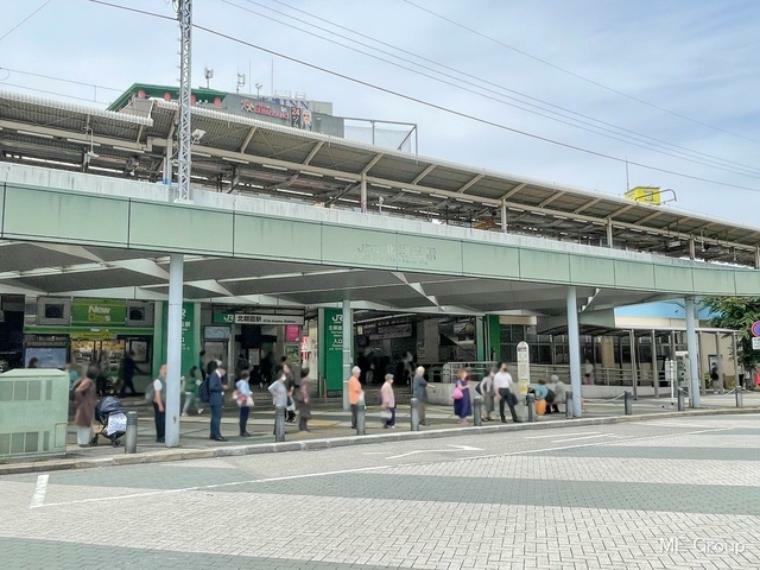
(234, 154)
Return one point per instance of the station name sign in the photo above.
(230, 318)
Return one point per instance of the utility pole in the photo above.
(176, 260)
(184, 136)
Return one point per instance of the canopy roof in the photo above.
(238, 154)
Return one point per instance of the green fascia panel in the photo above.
(592, 270)
(2, 208)
(747, 282)
(632, 275)
(544, 266)
(272, 238)
(428, 254)
(491, 260)
(32, 213)
(358, 247)
(714, 281)
(178, 228)
(669, 278)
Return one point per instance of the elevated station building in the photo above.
(298, 242)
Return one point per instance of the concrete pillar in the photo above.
(174, 349)
(348, 347)
(574, 350)
(757, 257)
(504, 226)
(363, 192)
(655, 373)
(610, 242)
(692, 248)
(634, 365)
(693, 348)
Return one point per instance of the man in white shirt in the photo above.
(502, 384)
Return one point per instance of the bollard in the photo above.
(679, 401)
(530, 401)
(477, 407)
(628, 403)
(569, 404)
(279, 423)
(131, 437)
(415, 414)
(361, 419)
(739, 397)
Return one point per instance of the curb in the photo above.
(327, 443)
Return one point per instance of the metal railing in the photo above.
(446, 373)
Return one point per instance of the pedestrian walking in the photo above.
(159, 404)
(216, 388)
(388, 402)
(290, 385)
(419, 392)
(279, 392)
(486, 390)
(588, 372)
(128, 369)
(302, 396)
(85, 399)
(354, 393)
(244, 399)
(461, 396)
(190, 385)
(502, 383)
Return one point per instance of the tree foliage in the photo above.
(738, 313)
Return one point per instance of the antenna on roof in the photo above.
(240, 82)
(208, 73)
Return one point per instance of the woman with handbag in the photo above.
(461, 397)
(388, 402)
(244, 398)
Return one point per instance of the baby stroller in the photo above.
(113, 421)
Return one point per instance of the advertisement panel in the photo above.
(98, 312)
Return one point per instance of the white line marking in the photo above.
(38, 498)
(418, 451)
(214, 486)
(562, 435)
(580, 438)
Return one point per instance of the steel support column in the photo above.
(655, 373)
(735, 347)
(574, 350)
(634, 363)
(504, 216)
(174, 349)
(610, 241)
(363, 192)
(348, 347)
(693, 348)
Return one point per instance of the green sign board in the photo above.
(330, 344)
(98, 312)
(190, 330)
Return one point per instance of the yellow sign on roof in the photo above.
(645, 194)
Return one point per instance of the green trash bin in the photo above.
(34, 408)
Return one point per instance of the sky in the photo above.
(697, 58)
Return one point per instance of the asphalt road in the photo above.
(666, 493)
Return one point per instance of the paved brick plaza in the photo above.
(665, 493)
